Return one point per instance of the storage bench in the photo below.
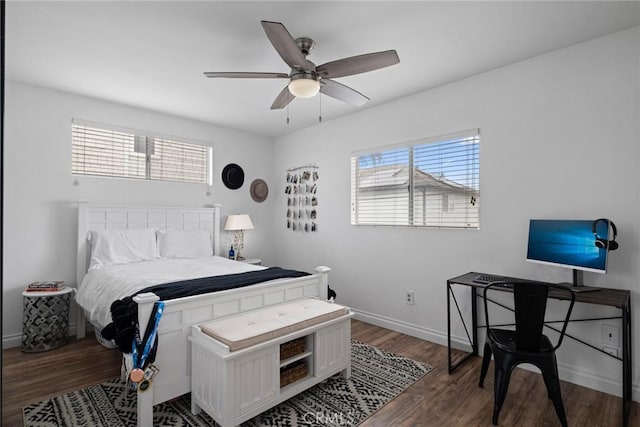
(261, 358)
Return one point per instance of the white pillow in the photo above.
(184, 244)
(110, 247)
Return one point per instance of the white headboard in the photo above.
(112, 217)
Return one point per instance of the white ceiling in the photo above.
(152, 54)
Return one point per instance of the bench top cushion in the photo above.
(253, 327)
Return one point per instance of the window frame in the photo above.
(471, 176)
(144, 142)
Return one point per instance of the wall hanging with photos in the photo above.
(302, 199)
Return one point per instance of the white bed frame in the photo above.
(174, 351)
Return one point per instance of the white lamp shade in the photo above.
(238, 222)
(304, 88)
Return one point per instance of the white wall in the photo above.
(39, 196)
(559, 139)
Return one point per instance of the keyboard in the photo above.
(488, 278)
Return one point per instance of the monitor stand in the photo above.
(578, 283)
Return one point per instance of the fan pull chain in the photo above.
(287, 114)
(320, 116)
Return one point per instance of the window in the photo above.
(102, 151)
(434, 182)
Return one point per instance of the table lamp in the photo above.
(237, 224)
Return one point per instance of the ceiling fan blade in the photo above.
(241, 75)
(343, 93)
(358, 64)
(283, 99)
(286, 46)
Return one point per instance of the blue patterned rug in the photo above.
(377, 377)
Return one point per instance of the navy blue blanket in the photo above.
(205, 285)
(124, 312)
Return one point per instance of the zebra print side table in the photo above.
(45, 319)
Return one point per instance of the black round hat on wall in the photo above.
(233, 176)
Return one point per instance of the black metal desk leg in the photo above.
(449, 326)
(452, 366)
(627, 377)
(474, 320)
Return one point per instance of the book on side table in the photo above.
(49, 286)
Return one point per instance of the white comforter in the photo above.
(101, 287)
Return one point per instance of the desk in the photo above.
(618, 298)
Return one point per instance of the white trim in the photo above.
(12, 340)
(411, 329)
(210, 166)
(379, 190)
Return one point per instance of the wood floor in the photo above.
(439, 399)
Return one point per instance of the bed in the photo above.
(173, 357)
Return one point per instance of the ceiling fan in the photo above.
(305, 78)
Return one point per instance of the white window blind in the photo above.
(434, 182)
(178, 161)
(99, 151)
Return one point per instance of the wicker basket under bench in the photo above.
(259, 359)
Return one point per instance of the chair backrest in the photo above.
(530, 305)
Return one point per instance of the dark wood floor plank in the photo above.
(31, 377)
(439, 399)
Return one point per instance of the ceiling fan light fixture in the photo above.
(304, 86)
(306, 79)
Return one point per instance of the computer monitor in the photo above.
(568, 243)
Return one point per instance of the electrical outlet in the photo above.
(611, 335)
(408, 298)
(610, 350)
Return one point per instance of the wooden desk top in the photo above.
(619, 298)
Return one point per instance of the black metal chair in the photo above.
(525, 344)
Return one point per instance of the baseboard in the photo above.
(406, 328)
(11, 340)
(15, 340)
(591, 380)
(567, 373)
